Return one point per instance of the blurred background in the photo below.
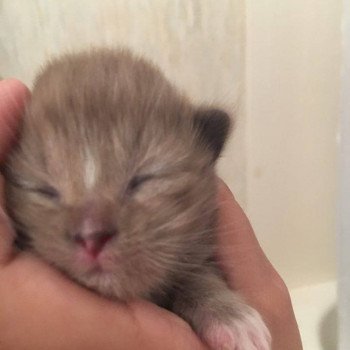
(275, 65)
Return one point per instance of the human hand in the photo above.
(42, 309)
(249, 272)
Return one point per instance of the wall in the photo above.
(344, 192)
(293, 63)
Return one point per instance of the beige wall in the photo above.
(344, 191)
(281, 161)
(293, 66)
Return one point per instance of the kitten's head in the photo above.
(113, 177)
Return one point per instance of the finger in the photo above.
(166, 330)
(13, 95)
(86, 320)
(239, 251)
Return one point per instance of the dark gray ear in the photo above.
(213, 126)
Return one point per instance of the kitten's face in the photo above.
(113, 184)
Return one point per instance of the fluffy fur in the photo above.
(108, 145)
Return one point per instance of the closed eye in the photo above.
(137, 181)
(48, 192)
(45, 190)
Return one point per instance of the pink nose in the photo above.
(95, 242)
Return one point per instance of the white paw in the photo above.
(245, 332)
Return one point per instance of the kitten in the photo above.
(113, 182)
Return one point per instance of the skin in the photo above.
(40, 308)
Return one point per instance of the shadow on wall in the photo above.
(328, 329)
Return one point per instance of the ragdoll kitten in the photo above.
(113, 182)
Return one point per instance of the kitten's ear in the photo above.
(213, 127)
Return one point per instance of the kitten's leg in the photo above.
(219, 315)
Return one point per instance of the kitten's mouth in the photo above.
(95, 263)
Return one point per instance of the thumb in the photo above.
(240, 254)
(13, 95)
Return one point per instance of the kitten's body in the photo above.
(113, 181)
